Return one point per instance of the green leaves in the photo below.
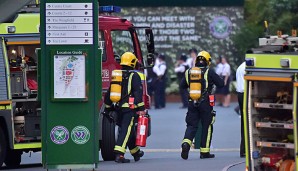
(280, 14)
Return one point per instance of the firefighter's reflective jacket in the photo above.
(131, 87)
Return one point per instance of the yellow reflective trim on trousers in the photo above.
(133, 151)
(128, 133)
(213, 120)
(26, 146)
(118, 148)
(206, 77)
(208, 136)
(129, 83)
(204, 150)
(140, 104)
(187, 141)
(186, 76)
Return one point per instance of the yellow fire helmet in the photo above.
(129, 59)
(205, 55)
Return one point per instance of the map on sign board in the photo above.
(69, 76)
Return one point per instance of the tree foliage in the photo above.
(281, 14)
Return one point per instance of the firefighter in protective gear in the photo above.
(126, 100)
(199, 108)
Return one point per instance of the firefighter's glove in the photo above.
(141, 113)
(213, 113)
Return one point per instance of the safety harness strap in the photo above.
(124, 93)
(186, 76)
(129, 83)
(206, 78)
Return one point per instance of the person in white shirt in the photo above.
(181, 67)
(218, 68)
(240, 91)
(193, 55)
(224, 72)
(160, 69)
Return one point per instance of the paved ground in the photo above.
(163, 147)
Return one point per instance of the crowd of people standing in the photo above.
(157, 78)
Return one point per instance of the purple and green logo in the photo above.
(59, 135)
(221, 27)
(80, 135)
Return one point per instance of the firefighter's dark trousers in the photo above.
(242, 144)
(127, 134)
(194, 115)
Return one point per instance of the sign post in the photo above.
(70, 69)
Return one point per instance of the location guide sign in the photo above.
(70, 68)
(69, 23)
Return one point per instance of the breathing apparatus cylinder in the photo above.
(115, 91)
(195, 85)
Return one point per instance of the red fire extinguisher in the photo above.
(142, 131)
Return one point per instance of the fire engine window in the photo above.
(101, 44)
(122, 42)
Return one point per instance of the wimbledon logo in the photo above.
(80, 135)
(221, 27)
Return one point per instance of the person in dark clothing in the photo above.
(127, 106)
(200, 109)
(181, 67)
(160, 69)
(151, 78)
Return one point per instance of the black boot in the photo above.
(242, 155)
(137, 156)
(120, 159)
(206, 155)
(185, 150)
